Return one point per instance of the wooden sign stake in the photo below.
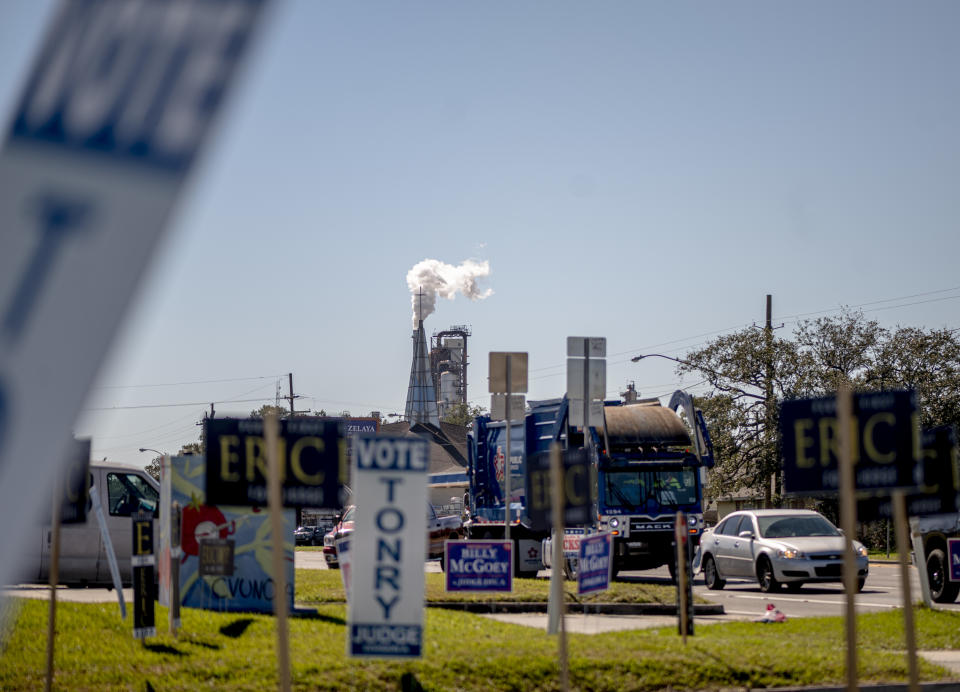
(556, 465)
(848, 522)
(274, 506)
(54, 578)
(903, 548)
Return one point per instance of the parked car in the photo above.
(308, 535)
(776, 547)
(439, 529)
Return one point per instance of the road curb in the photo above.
(577, 608)
(925, 686)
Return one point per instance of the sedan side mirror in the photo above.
(746, 534)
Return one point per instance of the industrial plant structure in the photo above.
(448, 367)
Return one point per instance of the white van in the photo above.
(83, 558)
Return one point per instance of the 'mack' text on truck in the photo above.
(649, 465)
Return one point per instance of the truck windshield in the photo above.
(628, 489)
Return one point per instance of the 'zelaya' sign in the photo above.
(886, 443)
(388, 546)
(143, 561)
(312, 457)
(576, 485)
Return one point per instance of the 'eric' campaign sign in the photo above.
(886, 442)
(388, 547)
(479, 565)
(312, 454)
(576, 486)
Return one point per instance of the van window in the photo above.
(128, 492)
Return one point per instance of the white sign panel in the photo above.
(385, 610)
(596, 381)
(113, 115)
(497, 372)
(595, 412)
(498, 407)
(596, 346)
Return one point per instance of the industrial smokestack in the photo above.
(431, 278)
(421, 395)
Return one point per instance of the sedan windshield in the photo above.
(792, 526)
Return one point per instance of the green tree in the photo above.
(268, 408)
(153, 468)
(190, 448)
(463, 414)
(821, 354)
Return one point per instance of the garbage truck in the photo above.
(649, 464)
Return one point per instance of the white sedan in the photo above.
(791, 547)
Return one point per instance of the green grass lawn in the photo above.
(316, 586)
(95, 651)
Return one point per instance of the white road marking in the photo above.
(814, 600)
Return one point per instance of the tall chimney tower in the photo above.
(421, 395)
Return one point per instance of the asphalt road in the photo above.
(740, 599)
(743, 599)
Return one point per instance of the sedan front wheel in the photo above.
(710, 576)
(768, 582)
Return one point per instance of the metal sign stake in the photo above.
(506, 461)
(274, 500)
(679, 531)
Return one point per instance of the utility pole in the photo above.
(770, 455)
(203, 428)
(291, 396)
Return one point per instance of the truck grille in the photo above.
(640, 526)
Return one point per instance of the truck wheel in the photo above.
(942, 590)
(768, 582)
(570, 568)
(710, 575)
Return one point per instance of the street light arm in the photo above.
(147, 449)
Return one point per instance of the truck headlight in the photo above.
(692, 520)
(614, 523)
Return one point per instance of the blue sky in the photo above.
(642, 171)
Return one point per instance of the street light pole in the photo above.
(147, 449)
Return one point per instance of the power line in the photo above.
(187, 403)
(177, 384)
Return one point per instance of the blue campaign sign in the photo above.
(479, 565)
(953, 555)
(593, 568)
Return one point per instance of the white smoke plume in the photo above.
(438, 278)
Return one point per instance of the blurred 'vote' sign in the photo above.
(112, 116)
(885, 445)
(312, 455)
